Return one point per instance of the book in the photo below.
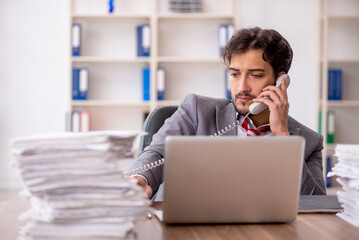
(80, 79)
(143, 40)
(76, 39)
(146, 84)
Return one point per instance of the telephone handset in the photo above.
(258, 107)
(254, 109)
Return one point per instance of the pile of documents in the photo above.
(76, 189)
(347, 170)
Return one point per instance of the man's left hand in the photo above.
(278, 105)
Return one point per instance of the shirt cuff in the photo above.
(139, 175)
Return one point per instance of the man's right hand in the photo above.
(142, 183)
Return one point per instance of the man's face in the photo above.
(249, 74)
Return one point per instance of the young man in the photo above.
(255, 57)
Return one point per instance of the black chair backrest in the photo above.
(154, 122)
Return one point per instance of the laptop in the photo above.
(232, 179)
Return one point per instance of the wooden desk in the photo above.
(307, 226)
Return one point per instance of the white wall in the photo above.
(298, 22)
(34, 63)
(33, 72)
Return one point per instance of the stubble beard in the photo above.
(237, 105)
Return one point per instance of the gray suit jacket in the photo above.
(199, 115)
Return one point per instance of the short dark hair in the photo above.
(275, 48)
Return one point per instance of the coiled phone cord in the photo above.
(161, 161)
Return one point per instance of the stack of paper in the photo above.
(75, 186)
(347, 170)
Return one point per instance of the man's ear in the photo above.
(280, 73)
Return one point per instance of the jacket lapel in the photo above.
(225, 117)
(292, 130)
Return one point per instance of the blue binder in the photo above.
(222, 37)
(225, 32)
(161, 79)
(227, 84)
(146, 83)
(338, 84)
(143, 40)
(76, 39)
(79, 83)
(335, 82)
(329, 168)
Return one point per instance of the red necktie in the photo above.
(254, 132)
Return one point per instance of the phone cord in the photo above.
(161, 161)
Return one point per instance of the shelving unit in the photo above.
(339, 41)
(115, 72)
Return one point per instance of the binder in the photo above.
(222, 38)
(227, 84)
(338, 84)
(335, 82)
(161, 79)
(68, 122)
(76, 39)
(329, 169)
(146, 83)
(331, 127)
(111, 6)
(230, 32)
(143, 40)
(84, 121)
(225, 32)
(75, 121)
(79, 83)
(331, 84)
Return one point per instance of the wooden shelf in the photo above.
(343, 17)
(331, 146)
(110, 59)
(106, 103)
(333, 190)
(194, 16)
(344, 103)
(189, 60)
(342, 60)
(114, 66)
(78, 16)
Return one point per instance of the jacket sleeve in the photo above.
(312, 176)
(182, 122)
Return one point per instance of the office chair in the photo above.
(154, 122)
